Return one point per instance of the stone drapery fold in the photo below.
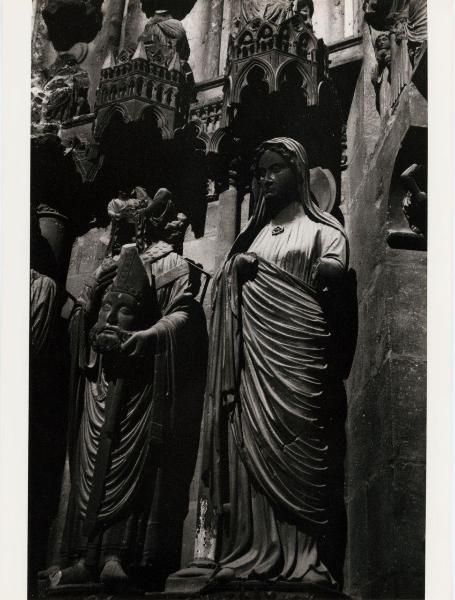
(279, 421)
(157, 426)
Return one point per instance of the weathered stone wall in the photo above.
(386, 425)
(334, 20)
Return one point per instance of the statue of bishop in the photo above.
(138, 347)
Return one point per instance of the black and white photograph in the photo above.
(227, 236)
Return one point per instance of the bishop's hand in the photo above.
(140, 344)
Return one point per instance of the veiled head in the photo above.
(281, 172)
(277, 179)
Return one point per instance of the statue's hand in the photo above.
(325, 271)
(246, 266)
(140, 343)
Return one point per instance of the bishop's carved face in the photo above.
(119, 314)
(277, 180)
(119, 309)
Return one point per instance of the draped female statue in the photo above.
(264, 497)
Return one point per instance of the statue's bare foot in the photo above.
(113, 574)
(49, 572)
(321, 578)
(77, 573)
(225, 575)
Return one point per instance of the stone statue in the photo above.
(144, 220)
(48, 376)
(264, 497)
(60, 92)
(381, 74)
(166, 41)
(407, 19)
(66, 92)
(138, 353)
(44, 312)
(278, 11)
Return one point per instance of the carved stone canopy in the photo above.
(263, 45)
(261, 35)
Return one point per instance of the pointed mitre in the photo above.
(109, 60)
(140, 52)
(131, 276)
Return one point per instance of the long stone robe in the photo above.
(48, 379)
(267, 409)
(146, 486)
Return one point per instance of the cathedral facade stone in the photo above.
(141, 95)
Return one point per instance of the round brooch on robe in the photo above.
(277, 230)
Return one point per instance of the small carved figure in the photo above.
(134, 407)
(166, 41)
(66, 91)
(381, 74)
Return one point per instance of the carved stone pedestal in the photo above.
(92, 591)
(255, 590)
(251, 590)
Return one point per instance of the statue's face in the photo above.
(118, 314)
(118, 309)
(277, 180)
